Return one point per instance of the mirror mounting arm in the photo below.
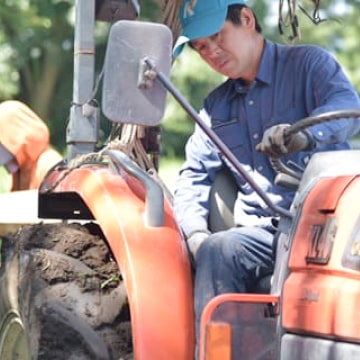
(146, 75)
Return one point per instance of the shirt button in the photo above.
(255, 136)
(251, 102)
(260, 168)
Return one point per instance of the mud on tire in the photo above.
(61, 296)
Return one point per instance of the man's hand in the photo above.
(194, 242)
(274, 144)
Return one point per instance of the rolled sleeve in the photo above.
(333, 92)
(193, 185)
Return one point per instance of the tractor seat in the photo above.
(221, 217)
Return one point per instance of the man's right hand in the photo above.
(274, 144)
(194, 242)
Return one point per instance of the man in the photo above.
(269, 86)
(24, 146)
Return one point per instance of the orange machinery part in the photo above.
(217, 335)
(26, 136)
(323, 299)
(218, 341)
(153, 261)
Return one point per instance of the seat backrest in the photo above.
(222, 199)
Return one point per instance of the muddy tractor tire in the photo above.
(61, 296)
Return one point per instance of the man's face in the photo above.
(232, 51)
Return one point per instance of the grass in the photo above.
(168, 171)
(4, 180)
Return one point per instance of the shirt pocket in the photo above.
(233, 136)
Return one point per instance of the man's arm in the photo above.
(332, 91)
(326, 89)
(191, 196)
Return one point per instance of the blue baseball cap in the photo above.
(201, 18)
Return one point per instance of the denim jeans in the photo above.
(228, 262)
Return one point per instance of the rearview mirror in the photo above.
(125, 97)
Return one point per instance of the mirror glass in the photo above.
(125, 99)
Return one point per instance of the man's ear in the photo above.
(247, 18)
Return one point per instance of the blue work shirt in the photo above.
(293, 82)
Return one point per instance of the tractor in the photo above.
(102, 270)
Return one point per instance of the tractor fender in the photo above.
(153, 259)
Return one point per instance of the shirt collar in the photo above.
(267, 63)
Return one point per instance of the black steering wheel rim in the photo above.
(278, 165)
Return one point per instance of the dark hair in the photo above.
(233, 15)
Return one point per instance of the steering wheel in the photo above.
(294, 171)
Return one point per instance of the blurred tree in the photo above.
(337, 31)
(37, 36)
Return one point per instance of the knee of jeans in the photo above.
(215, 246)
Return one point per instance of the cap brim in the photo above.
(200, 28)
(179, 45)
